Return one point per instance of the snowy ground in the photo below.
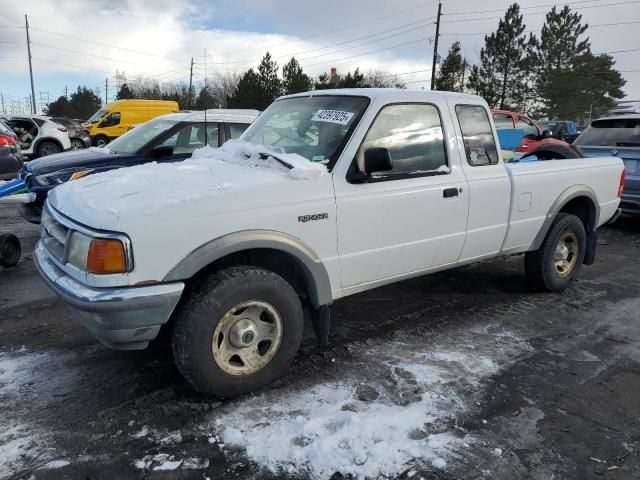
(463, 374)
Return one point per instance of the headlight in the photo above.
(61, 176)
(97, 255)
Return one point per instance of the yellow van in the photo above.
(115, 118)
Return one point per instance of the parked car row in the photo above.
(168, 138)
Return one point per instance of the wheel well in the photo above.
(277, 261)
(46, 139)
(584, 209)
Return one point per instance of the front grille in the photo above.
(54, 236)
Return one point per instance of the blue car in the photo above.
(618, 136)
(169, 138)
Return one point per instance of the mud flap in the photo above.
(590, 253)
(321, 320)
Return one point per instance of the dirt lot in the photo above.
(458, 375)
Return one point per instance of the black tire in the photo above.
(10, 250)
(100, 141)
(554, 152)
(47, 147)
(77, 144)
(540, 265)
(207, 303)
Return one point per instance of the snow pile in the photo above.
(164, 462)
(244, 153)
(390, 412)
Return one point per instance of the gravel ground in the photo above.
(457, 375)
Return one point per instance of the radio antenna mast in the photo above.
(206, 134)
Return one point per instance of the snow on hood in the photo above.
(245, 153)
(153, 186)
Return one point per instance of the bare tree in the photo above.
(223, 87)
(382, 79)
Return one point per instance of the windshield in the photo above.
(97, 116)
(137, 138)
(316, 127)
(612, 133)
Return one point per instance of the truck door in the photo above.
(489, 184)
(411, 218)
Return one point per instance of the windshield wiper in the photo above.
(264, 156)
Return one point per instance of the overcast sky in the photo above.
(85, 41)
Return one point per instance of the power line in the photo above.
(94, 55)
(341, 43)
(346, 27)
(537, 13)
(524, 8)
(535, 31)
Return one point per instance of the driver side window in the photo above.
(111, 120)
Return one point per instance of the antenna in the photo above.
(206, 134)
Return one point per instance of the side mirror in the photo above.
(377, 159)
(546, 134)
(161, 151)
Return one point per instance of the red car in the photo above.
(534, 134)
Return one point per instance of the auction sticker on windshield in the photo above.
(332, 116)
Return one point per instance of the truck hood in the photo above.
(72, 159)
(234, 177)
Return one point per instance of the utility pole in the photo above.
(2, 99)
(66, 93)
(33, 90)
(190, 84)
(106, 90)
(435, 47)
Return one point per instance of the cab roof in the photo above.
(393, 94)
(228, 115)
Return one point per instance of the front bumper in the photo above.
(122, 318)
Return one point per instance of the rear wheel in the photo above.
(560, 256)
(10, 250)
(237, 331)
(77, 144)
(48, 148)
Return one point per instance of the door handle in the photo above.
(450, 192)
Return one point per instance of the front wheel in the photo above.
(237, 331)
(100, 141)
(560, 256)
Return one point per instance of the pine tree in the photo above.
(569, 79)
(350, 80)
(294, 80)
(125, 93)
(270, 84)
(449, 78)
(502, 76)
(248, 93)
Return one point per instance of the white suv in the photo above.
(39, 136)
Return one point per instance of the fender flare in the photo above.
(565, 197)
(315, 273)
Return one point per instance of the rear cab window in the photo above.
(237, 129)
(502, 120)
(477, 135)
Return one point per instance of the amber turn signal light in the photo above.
(106, 256)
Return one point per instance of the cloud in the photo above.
(236, 35)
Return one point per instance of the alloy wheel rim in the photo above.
(76, 145)
(247, 338)
(566, 254)
(49, 150)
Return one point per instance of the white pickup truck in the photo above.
(327, 194)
